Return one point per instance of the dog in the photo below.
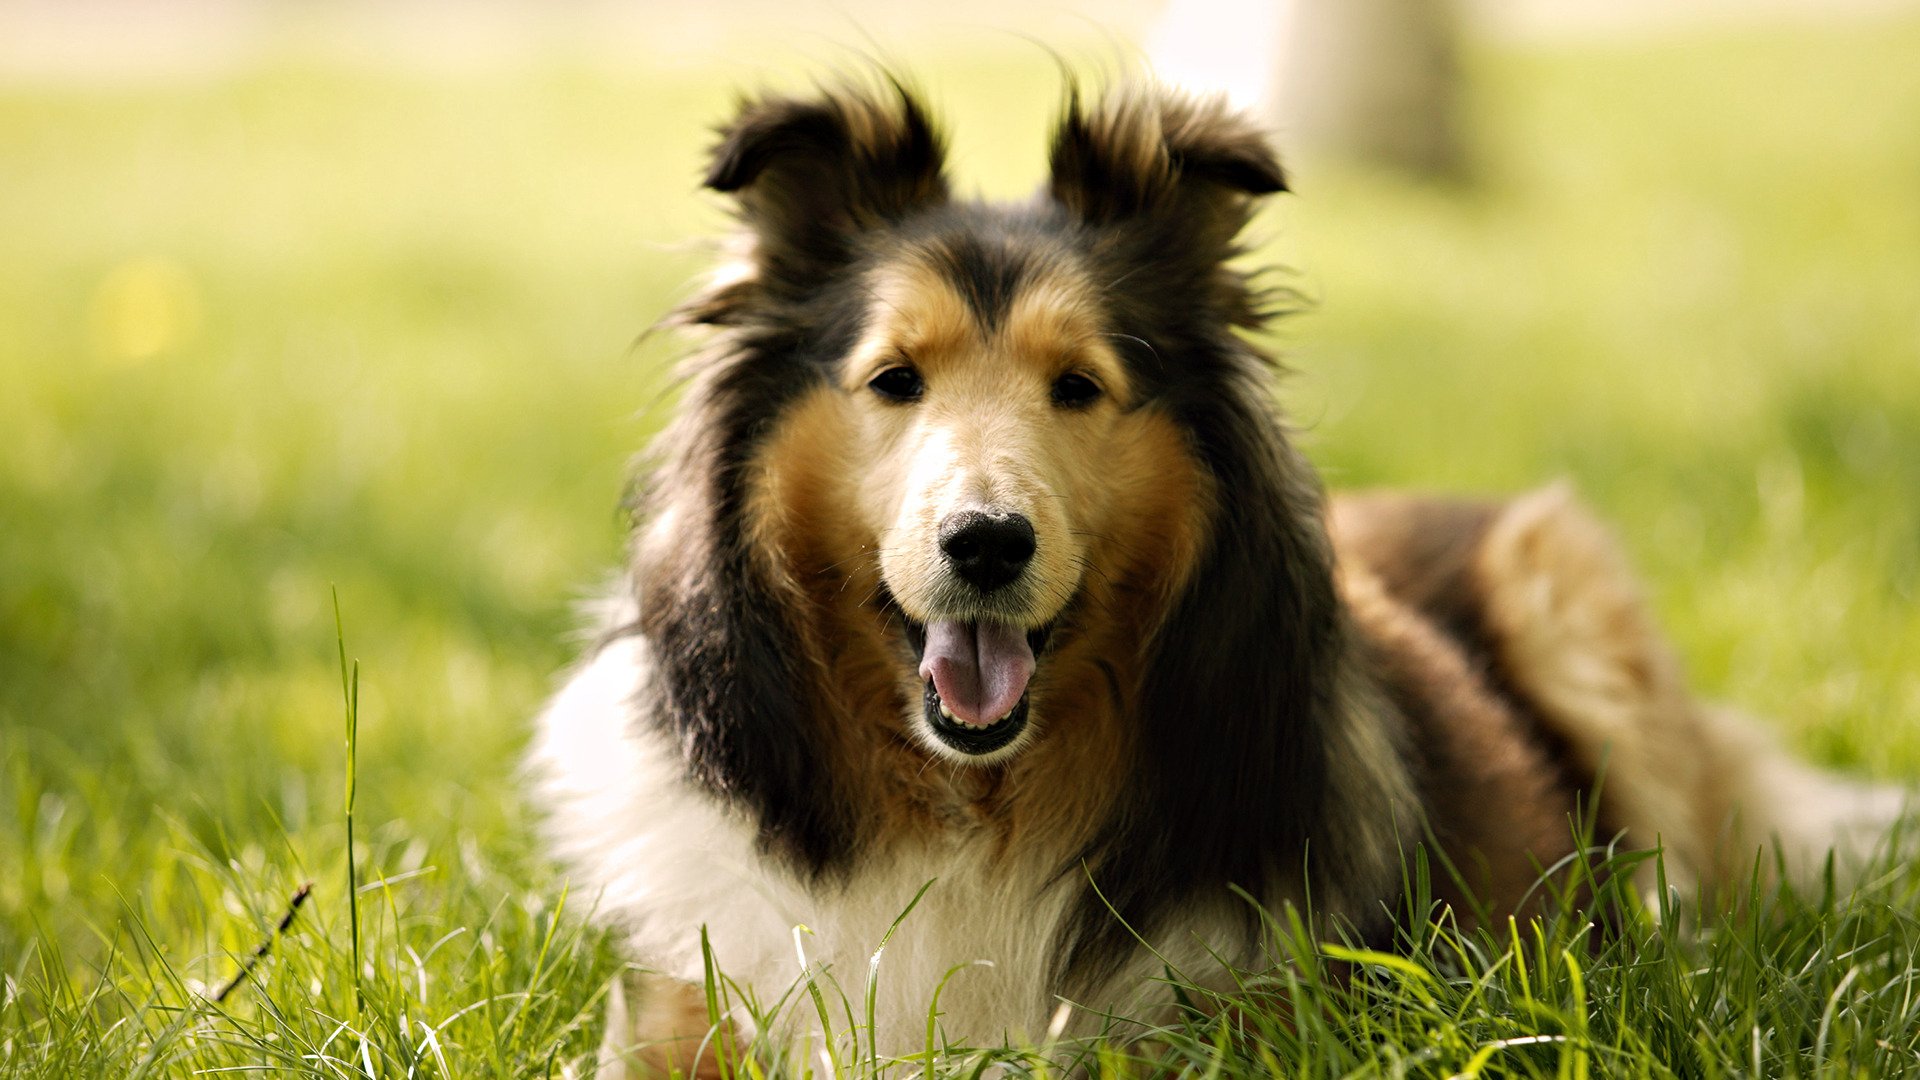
(978, 578)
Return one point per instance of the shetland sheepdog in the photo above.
(978, 560)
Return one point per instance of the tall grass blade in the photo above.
(350, 691)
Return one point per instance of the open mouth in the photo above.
(975, 677)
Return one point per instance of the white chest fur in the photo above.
(661, 859)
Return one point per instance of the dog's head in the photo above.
(985, 430)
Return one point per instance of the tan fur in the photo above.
(986, 433)
(1495, 805)
(1700, 781)
(1546, 624)
(1574, 634)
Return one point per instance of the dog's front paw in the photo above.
(658, 1027)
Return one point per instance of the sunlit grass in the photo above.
(301, 329)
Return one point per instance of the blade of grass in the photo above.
(350, 691)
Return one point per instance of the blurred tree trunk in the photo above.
(1374, 80)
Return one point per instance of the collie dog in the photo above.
(978, 567)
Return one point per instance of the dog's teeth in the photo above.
(946, 712)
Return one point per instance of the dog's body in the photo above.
(979, 556)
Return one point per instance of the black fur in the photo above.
(1229, 784)
(815, 177)
(732, 671)
(736, 678)
(1229, 781)
(1164, 184)
(988, 274)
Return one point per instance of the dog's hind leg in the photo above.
(1572, 635)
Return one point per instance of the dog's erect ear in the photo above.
(1144, 153)
(1165, 182)
(812, 175)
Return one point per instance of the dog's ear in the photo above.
(812, 175)
(1158, 160)
(1163, 183)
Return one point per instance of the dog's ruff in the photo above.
(978, 560)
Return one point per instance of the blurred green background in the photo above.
(301, 322)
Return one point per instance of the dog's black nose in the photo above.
(988, 550)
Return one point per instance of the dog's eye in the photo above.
(1074, 390)
(898, 384)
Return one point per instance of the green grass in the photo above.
(303, 329)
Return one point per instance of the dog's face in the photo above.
(980, 470)
(986, 438)
(989, 414)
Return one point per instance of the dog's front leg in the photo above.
(658, 1027)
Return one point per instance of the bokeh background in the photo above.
(301, 297)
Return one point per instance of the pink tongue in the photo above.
(980, 669)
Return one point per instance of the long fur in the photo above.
(1229, 696)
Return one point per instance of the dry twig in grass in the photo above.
(260, 951)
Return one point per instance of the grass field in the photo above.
(299, 330)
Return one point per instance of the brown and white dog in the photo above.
(978, 555)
